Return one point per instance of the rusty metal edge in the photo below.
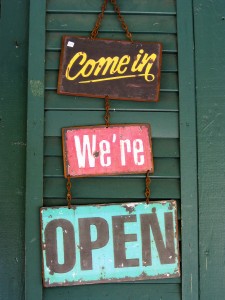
(112, 280)
(42, 246)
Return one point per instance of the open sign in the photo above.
(109, 243)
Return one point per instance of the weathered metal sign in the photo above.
(118, 149)
(109, 243)
(120, 69)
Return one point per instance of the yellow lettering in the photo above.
(89, 64)
(134, 66)
(106, 63)
(123, 62)
(148, 68)
(71, 63)
(113, 65)
(147, 59)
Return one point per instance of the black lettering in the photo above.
(68, 244)
(119, 240)
(166, 252)
(86, 244)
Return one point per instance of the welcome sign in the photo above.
(109, 243)
(120, 69)
(97, 150)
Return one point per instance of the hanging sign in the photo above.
(109, 243)
(97, 150)
(120, 69)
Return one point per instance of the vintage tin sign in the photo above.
(97, 150)
(109, 243)
(120, 69)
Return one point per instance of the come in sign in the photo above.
(120, 69)
(97, 150)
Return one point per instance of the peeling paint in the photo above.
(37, 88)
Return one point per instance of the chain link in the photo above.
(147, 187)
(122, 21)
(107, 113)
(69, 194)
(95, 30)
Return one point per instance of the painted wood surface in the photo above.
(98, 150)
(208, 19)
(70, 111)
(35, 146)
(117, 69)
(164, 119)
(211, 144)
(188, 152)
(13, 81)
(109, 243)
(140, 7)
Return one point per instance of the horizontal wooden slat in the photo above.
(161, 147)
(164, 167)
(163, 124)
(169, 81)
(114, 187)
(168, 101)
(85, 22)
(135, 6)
(53, 39)
(125, 291)
(169, 61)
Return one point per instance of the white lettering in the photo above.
(138, 148)
(122, 150)
(87, 147)
(104, 147)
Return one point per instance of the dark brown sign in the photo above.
(120, 69)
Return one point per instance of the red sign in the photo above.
(119, 149)
(120, 69)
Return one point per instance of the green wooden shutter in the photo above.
(173, 129)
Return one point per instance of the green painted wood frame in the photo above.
(35, 138)
(188, 151)
(35, 141)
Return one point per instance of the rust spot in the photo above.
(51, 272)
(96, 154)
(170, 207)
(129, 208)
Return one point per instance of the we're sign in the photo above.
(119, 149)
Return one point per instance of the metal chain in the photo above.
(69, 194)
(122, 21)
(95, 30)
(147, 187)
(107, 113)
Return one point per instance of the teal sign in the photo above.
(109, 243)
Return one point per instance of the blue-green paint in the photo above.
(103, 261)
